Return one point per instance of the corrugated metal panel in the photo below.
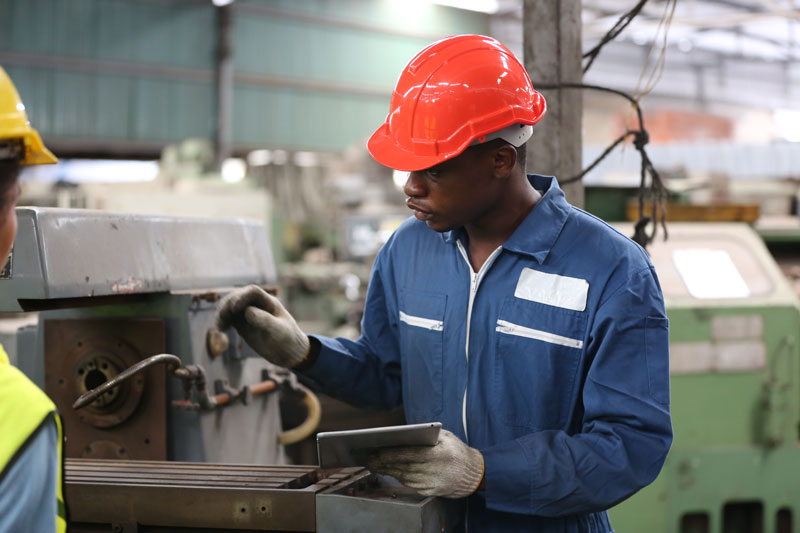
(166, 32)
(297, 119)
(312, 75)
(35, 86)
(299, 49)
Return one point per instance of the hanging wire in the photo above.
(657, 192)
(657, 70)
(615, 30)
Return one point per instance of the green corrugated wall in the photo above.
(125, 76)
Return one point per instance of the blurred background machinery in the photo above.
(734, 362)
(100, 292)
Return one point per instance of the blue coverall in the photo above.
(552, 360)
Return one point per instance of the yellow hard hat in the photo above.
(14, 125)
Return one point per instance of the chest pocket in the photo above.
(539, 349)
(421, 319)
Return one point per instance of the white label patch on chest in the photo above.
(552, 289)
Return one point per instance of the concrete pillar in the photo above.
(551, 32)
(223, 71)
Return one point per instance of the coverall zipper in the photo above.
(475, 281)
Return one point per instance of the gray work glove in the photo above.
(450, 468)
(264, 324)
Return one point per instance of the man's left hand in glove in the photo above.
(450, 468)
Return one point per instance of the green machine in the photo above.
(734, 466)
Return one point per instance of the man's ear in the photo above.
(505, 157)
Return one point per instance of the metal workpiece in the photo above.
(380, 503)
(197, 496)
(78, 253)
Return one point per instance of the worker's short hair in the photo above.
(522, 155)
(497, 143)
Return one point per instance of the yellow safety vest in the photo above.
(24, 409)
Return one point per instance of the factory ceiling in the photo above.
(716, 52)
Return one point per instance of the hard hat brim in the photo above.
(389, 154)
(36, 153)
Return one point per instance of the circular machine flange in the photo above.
(94, 361)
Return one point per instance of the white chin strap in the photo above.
(515, 134)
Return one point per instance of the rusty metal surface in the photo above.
(130, 422)
(198, 495)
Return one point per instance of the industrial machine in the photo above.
(734, 466)
(109, 290)
(179, 425)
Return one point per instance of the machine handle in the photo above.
(290, 436)
(196, 374)
(163, 358)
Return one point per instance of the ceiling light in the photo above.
(787, 124)
(259, 158)
(484, 6)
(233, 170)
(306, 159)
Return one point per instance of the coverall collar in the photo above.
(538, 232)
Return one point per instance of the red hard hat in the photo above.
(455, 91)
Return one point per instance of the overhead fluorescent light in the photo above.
(93, 171)
(259, 158)
(483, 6)
(787, 124)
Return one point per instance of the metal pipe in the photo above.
(256, 389)
(311, 422)
(162, 358)
(195, 374)
(263, 387)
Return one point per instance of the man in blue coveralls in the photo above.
(532, 330)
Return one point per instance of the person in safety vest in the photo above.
(31, 475)
(533, 331)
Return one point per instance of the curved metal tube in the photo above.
(162, 358)
(290, 436)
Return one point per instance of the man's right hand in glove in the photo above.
(265, 325)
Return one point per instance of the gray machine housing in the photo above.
(94, 286)
(81, 265)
